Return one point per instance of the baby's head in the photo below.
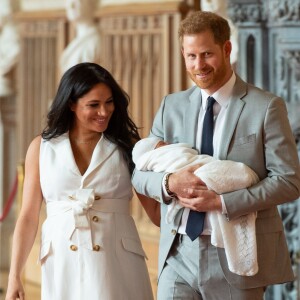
(145, 145)
(160, 144)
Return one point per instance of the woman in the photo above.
(81, 165)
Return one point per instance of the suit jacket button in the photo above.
(97, 197)
(95, 219)
(96, 248)
(173, 231)
(73, 247)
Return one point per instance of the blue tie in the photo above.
(195, 221)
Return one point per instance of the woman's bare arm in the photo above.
(152, 208)
(27, 223)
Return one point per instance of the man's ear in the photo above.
(227, 48)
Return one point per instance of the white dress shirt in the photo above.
(222, 97)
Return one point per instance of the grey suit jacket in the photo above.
(257, 133)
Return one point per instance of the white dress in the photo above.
(90, 247)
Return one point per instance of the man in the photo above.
(250, 126)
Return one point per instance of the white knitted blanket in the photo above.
(237, 236)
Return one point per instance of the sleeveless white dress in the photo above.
(90, 248)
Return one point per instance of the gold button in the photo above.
(173, 231)
(95, 219)
(97, 197)
(73, 248)
(71, 197)
(96, 248)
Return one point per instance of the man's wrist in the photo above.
(165, 196)
(167, 187)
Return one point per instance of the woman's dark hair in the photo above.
(74, 84)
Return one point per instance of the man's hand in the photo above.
(192, 192)
(206, 200)
(185, 183)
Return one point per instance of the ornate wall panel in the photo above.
(249, 18)
(142, 52)
(42, 40)
(269, 43)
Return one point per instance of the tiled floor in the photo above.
(32, 292)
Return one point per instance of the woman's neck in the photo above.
(87, 138)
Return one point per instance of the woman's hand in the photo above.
(15, 289)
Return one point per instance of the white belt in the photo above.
(80, 204)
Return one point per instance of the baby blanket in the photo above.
(237, 236)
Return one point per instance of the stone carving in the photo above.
(241, 13)
(9, 45)
(290, 215)
(220, 7)
(290, 218)
(294, 113)
(86, 46)
(274, 10)
(290, 79)
(283, 10)
(289, 76)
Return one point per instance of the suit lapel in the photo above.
(191, 117)
(234, 110)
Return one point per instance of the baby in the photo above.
(237, 236)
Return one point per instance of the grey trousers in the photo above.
(193, 271)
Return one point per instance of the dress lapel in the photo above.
(102, 152)
(62, 147)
